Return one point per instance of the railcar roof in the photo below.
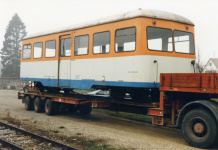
(124, 16)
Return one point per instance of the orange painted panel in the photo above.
(141, 39)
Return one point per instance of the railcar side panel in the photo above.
(42, 71)
(65, 73)
(131, 71)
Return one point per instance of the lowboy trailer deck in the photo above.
(187, 101)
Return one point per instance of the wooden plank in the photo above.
(189, 82)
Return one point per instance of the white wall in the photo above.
(210, 67)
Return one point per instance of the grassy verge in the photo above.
(131, 116)
(78, 140)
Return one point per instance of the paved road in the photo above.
(113, 130)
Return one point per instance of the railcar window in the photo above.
(27, 51)
(50, 49)
(184, 42)
(81, 45)
(37, 50)
(159, 39)
(66, 47)
(101, 43)
(125, 39)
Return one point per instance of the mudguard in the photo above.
(209, 105)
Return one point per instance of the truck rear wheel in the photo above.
(28, 103)
(50, 107)
(38, 105)
(199, 128)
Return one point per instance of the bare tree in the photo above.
(199, 67)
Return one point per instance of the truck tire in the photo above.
(199, 128)
(28, 103)
(85, 109)
(38, 105)
(50, 107)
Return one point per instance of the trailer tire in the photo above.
(85, 109)
(38, 105)
(28, 103)
(199, 128)
(50, 107)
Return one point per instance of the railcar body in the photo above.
(125, 51)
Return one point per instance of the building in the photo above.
(211, 66)
(10, 82)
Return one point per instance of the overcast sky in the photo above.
(41, 15)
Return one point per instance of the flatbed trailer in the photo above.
(187, 101)
(36, 100)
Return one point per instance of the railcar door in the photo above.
(64, 61)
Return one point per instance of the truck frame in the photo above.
(188, 101)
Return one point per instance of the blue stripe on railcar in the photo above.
(87, 84)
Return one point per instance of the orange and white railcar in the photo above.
(122, 52)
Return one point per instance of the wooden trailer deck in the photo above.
(190, 82)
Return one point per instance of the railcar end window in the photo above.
(81, 45)
(159, 39)
(184, 42)
(66, 47)
(101, 43)
(27, 51)
(37, 50)
(125, 39)
(50, 49)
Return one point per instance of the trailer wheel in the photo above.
(50, 107)
(85, 109)
(38, 105)
(28, 103)
(199, 128)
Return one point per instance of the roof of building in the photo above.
(215, 61)
(124, 16)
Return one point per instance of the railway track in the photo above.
(15, 138)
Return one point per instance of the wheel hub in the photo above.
(199, 128)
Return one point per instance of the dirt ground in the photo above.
(114, 131)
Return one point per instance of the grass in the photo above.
(85, 144)
(131, 116)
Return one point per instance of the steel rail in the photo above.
(9, 144)
(54, 143)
